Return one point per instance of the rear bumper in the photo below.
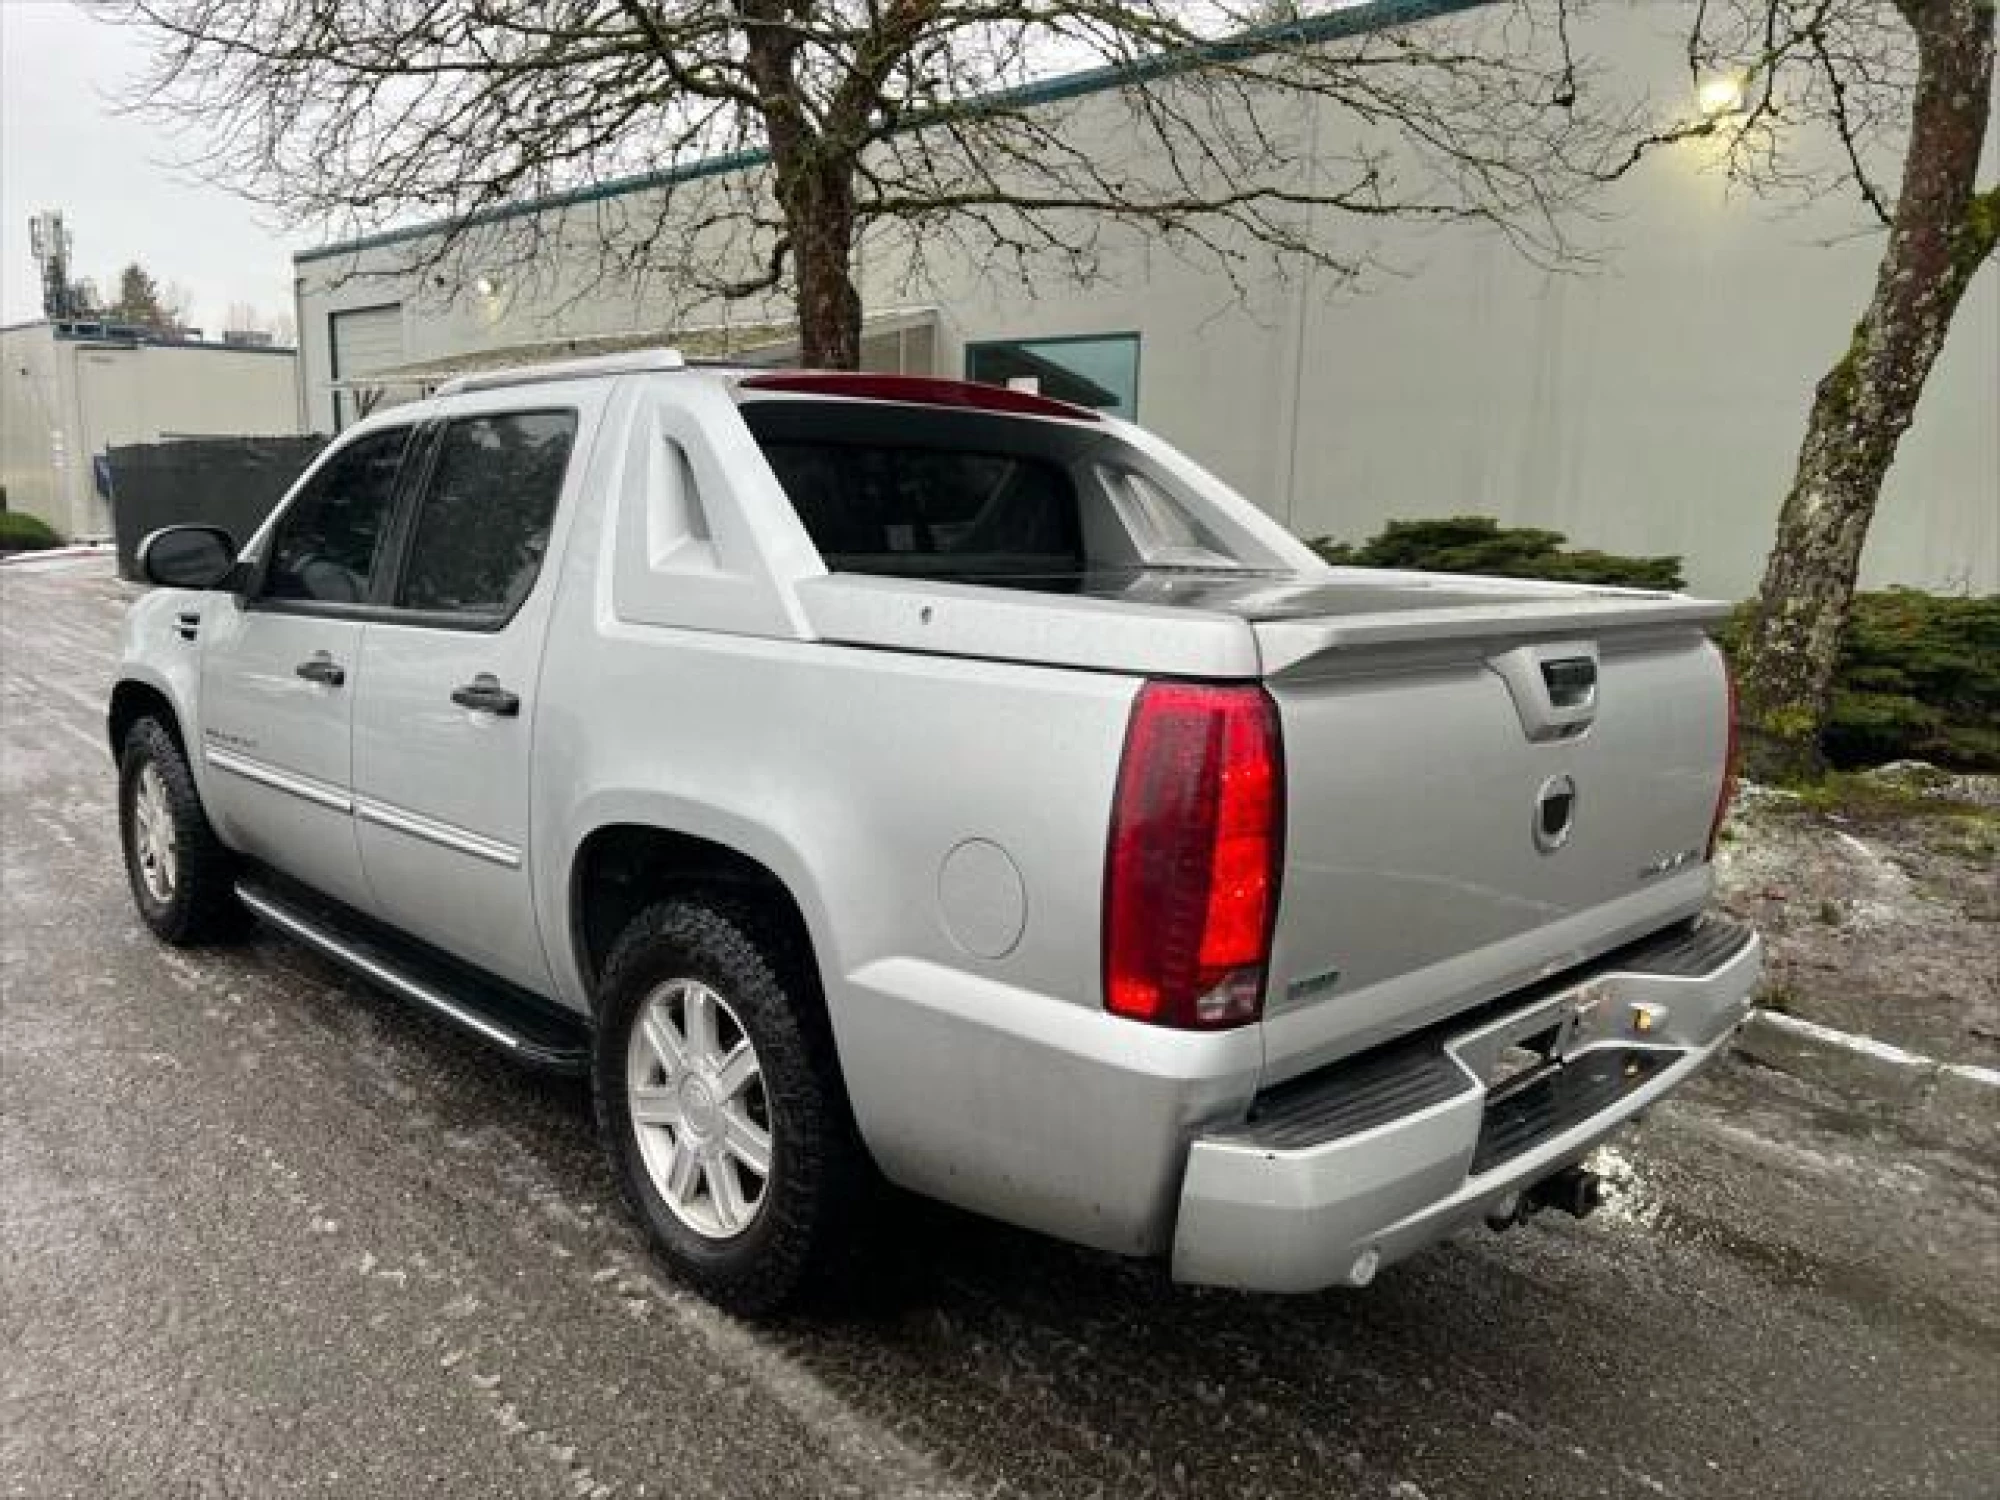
(1367, 1163)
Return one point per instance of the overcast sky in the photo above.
(63, 145)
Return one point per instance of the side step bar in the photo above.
(524, 1026)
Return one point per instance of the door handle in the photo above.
(485, 695)
(320, 667)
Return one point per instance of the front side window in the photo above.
(483, 522)
(325, 546)
(1100, 371)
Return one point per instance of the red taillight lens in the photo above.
(1191, 880)
(1727, 794)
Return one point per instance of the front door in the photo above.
(281, 666)
(444, 719)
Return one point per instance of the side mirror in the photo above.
(187, 557)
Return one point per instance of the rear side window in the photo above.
(482, 523)
(325, 545)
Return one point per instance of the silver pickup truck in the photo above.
(862, 774)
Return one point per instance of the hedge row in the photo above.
(20, 532)
(1479, 544)
(1918, 677)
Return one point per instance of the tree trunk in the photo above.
(829, 307)
(814, 185)
(1939, 235)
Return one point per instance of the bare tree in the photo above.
(1905, 89)
(842, 116)
(176, 305)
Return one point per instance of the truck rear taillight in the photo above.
(1191, 879)
(1727, 793)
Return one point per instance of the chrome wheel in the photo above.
(696, 1092)
(153, 838)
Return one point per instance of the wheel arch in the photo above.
(133, 699)
(621, 868)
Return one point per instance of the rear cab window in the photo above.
(971, 496)
(880, 507)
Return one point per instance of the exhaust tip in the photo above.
(1577, 1191)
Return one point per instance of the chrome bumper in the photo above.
(1331, 1179)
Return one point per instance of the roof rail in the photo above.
(630, 362)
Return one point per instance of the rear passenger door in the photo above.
(445, 711)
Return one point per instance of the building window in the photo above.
(1096, 370)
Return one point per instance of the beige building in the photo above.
(69, 391)
(1653, 404)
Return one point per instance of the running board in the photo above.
(524, 1026)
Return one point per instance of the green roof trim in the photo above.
(1352, 20)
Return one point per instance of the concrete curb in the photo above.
(1954, 1104)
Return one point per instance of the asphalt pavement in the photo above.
(267, 1232)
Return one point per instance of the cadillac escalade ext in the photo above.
(860, 774)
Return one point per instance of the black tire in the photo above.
(201, 904)
(802, 1231)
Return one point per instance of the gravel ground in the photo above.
(267, 1232)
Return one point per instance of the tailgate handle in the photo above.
(1571, 681)
(1554, 687)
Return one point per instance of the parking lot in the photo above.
(268, 1232)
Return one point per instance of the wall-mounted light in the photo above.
(1719, 94)
(486, 286)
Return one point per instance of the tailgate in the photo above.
(1469, 811)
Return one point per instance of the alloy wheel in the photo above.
(699, 1107)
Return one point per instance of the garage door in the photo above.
(365, 340)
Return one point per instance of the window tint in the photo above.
(1101, 371)
(324, 547)
(484, 519)
(877, 507)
